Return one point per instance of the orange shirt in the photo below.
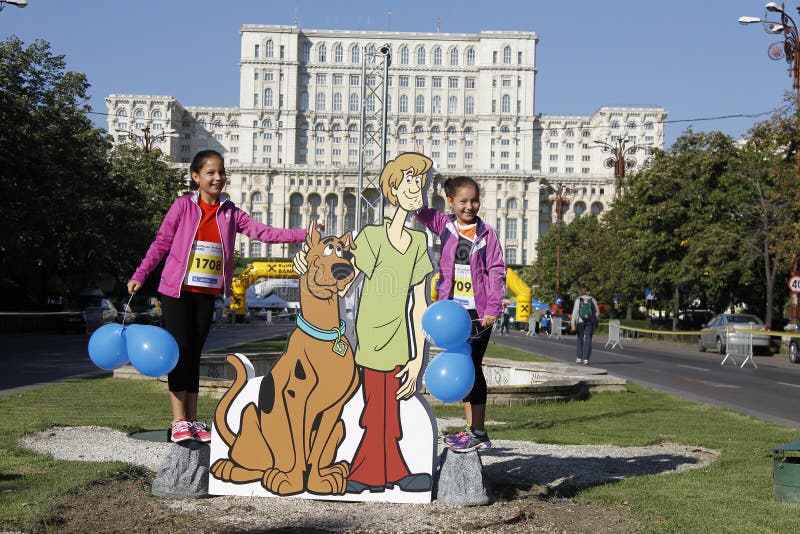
(204, 269)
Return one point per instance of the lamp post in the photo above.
(559, 195)
(17, 3)
(789, 49)
(619, 160)
(147, 140)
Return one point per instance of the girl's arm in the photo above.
(266, 234)
(432, 219)
(496, 275)
(161, 244)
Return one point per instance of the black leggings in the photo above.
(188, 319)
(479, 340)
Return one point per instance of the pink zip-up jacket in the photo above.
(177, 233)
(485, 260)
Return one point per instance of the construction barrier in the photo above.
(738, 344)
(614, 334)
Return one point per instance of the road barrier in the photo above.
(614, 334)
(555, 328)
(738, 344)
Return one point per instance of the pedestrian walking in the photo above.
(585, 316)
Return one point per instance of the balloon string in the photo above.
(126, 309)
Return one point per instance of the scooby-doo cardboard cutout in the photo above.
(339, 418)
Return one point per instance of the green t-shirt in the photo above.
(384, 340)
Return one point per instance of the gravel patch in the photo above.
(518, 469)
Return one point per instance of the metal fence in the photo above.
(738, 345)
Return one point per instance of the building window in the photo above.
(436, 82)
(419, 82)
(437, 56)
(269, 49)
(404, 55)
(419, 105)
(436, 105)
(322, 52)
(355, 80)
(338, 54)
(268, 98)
(454, 57)
(256, 48)
(505, 106)
(322, 79)
(319, 103)
(337, 102)
(452, 105)
(338, 79)
(507, 55)
(354, 101)
(355, 55)
(469, 105)
(471, 57)
(421, 55)
(511, 228)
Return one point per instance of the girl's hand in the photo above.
(133, 287)
(488, 320)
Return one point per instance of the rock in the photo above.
(461, 480)
(184, 473)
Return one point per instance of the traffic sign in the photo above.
(794, 284)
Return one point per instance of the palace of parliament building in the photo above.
(292, 145)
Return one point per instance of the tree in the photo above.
(74, 212)
(52, 161)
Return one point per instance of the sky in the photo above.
(690, 57)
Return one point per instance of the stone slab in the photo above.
(461, 481)
(184, 473)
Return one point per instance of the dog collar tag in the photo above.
(339, 347)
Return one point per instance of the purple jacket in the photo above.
(485, 260)
(177, 233)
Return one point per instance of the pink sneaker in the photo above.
(179, 431)
(200, 432)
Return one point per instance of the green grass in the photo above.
(733, 494)
(501, 351)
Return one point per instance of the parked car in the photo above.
(715, 333)
(142, 310)
(88, 311)
(566, 324)
(794, 350)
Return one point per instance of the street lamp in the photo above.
(790, 50)
(18, 3)
(146, 140)
(619, 160)
(559, 195)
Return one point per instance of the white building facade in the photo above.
(465, 100)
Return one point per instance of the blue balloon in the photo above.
(450, 376)
(461, 348)
(152, 350)
(446, 323)
(107, 348)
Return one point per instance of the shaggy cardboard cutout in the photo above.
(334, 419)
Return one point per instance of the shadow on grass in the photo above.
(540, 425)
(566, 476)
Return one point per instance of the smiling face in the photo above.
(409, 191)
(211, 180)
(465, 203)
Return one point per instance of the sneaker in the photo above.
(180, 431)
(455, 438)
(200, 432)
(585, 362)
(472, 443)
(578, 360)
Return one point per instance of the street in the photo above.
(770, 392)
(39, 358)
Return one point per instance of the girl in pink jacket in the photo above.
(197, 237)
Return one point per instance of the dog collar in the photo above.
(323, 335)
